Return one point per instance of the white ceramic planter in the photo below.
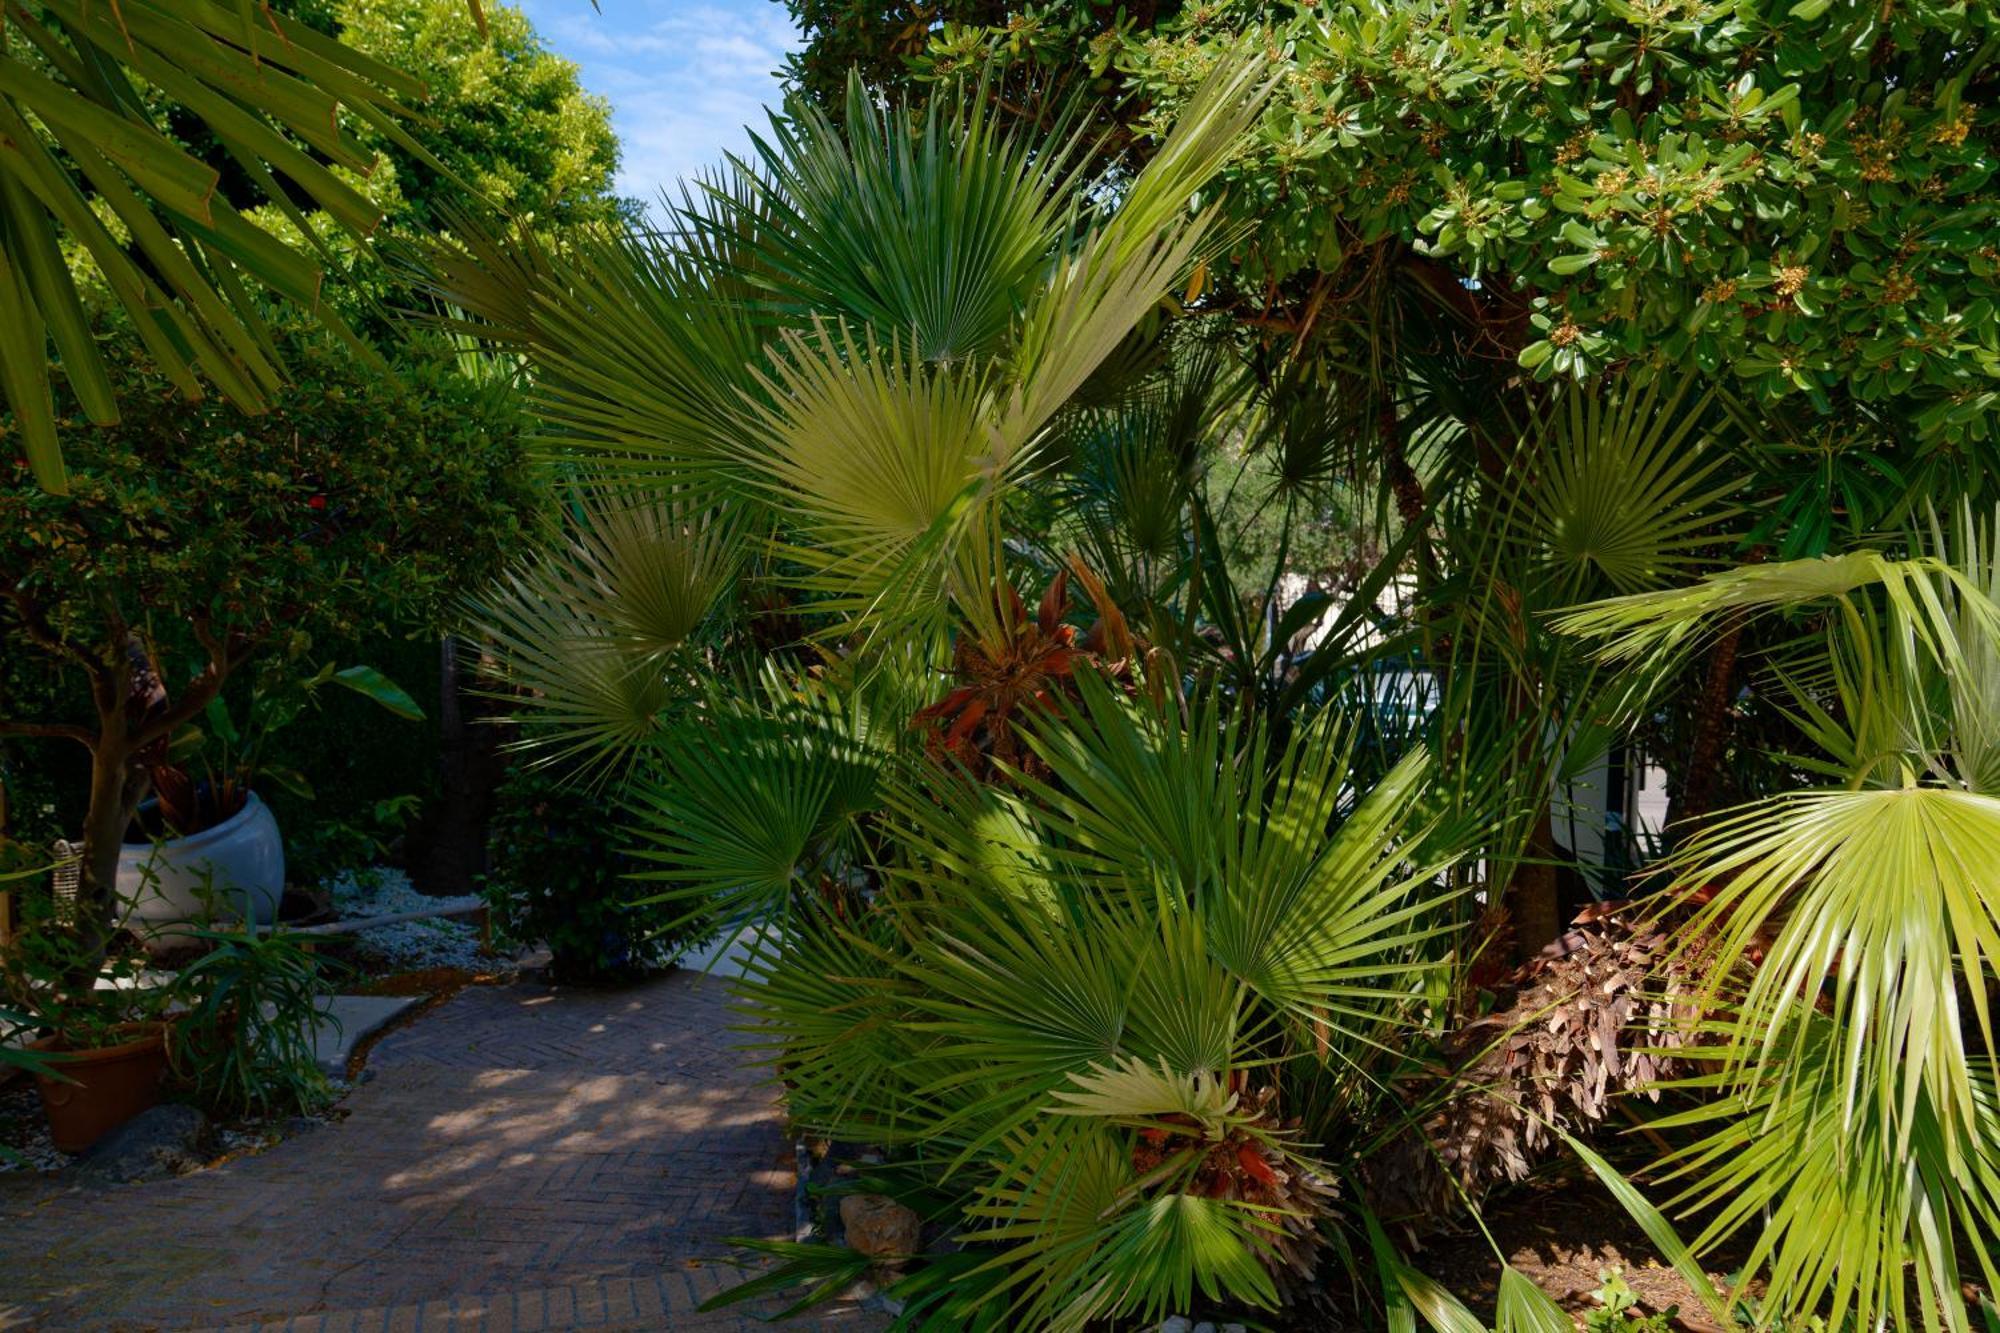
(240, 861)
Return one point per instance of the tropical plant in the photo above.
(1852, 1072)
(559, 875)
(49, 976)
(1135, 1019)
(231, 756)
(880, 380)
(247, 1012)
(1072, 932)
(1449, 211)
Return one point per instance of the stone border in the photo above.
(670, 1300)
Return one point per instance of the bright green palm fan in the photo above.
(1851, 1128)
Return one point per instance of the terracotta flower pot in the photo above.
(106, 1087)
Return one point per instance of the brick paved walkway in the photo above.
(518, 1159)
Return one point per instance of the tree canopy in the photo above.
(502, 111)
(1795, 195)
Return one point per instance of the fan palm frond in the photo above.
(755, 798)
(1628, 485)
(933, 237)
(1091, 975)
(1852, 1068)
(584, 631)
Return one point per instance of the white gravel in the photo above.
(407, 945)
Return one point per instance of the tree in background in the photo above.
(504, 124)
(503, 112)
(194, 539)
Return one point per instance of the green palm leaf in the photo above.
(585, 631)
(1627, 486)
(81, 161)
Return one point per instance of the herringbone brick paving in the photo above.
(519, 1159)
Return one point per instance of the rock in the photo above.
(157, 1143)
(879, 1227)
(1179, 1323)
(1204, 1327)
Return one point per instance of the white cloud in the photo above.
(683, 76)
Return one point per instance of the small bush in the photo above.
(558, 876)
(243, 1043)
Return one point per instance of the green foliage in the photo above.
(245, 1014)
(558, 876)
(1105, 1015)
(807, 369)
(504, 114)
(84, 90)
(370, 778)
(231, 750)
(48, 979)
(362, 502)
(1795, 196)
(1851, 1074)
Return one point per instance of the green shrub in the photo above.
(195, 539)
(243, 1043)
(558, 876)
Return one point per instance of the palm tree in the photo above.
(1850, 934)
(850, 354)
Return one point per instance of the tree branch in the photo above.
(61, 731)
(37, 625)
(223, 658)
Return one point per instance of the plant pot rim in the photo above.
(142, 1032)
(194, 841)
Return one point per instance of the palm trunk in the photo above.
(1533, 896)
(1713, 720)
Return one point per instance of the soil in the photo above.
(1564, 1235)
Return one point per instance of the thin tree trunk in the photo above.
(114, 794)
(1714, 719)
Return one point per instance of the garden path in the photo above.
(520, 1158)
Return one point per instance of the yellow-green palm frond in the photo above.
(878, 462)
(584, 632)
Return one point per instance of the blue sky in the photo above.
(683, 76)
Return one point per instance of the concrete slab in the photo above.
(348, 1019)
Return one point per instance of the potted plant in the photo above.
(101, 1048)
(205, 845)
